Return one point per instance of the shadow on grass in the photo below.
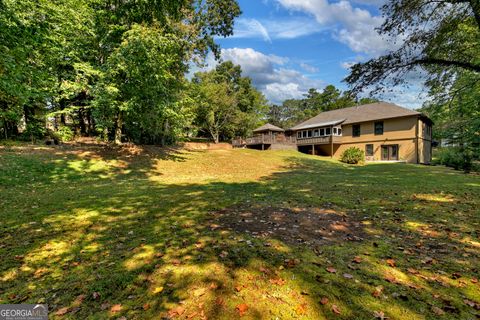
(88, 237)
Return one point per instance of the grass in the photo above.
(103, 233)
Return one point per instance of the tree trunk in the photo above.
(81, 122)
(118, 129)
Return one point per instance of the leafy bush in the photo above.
(65, 134)
(454, 157)
(34, 130)
(353, 155)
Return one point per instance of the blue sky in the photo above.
(289, 46)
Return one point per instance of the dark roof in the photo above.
(363, 113)
(268, 127)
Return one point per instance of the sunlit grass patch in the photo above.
(135, 235)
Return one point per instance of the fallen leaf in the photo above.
(357, 259)
(474, 280)
(335, 309)
(413, 271)
(62, 311)
(238, 288)
(177, 311)
(278, 282)
(96, 296)
(157, 290)
(301, 309)
(391, 262)
(324, 300)
(146, 306)
(347, 276)
(220, 301)
(378, 291)
(379, 315)
(105, 306)
(331, 270)
(116, 308)
(242, 309)
(437, 311)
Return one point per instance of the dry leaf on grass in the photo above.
(437, 311)
(324, 300)
(335, 309)
(391, 262)
(62, 311)
(301, 309)
(116, 308)
(242, 309)
(331, 270)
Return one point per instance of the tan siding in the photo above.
(406, 149)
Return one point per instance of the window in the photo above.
(315, 133)
(356, 130)
(335, 131)
(339, 131)
(299, 135)
(309, 133)
(328, 131)
(379, 128)
(369, 150)
(322, 132)
(304, 134)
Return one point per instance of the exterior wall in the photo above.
(406, 149)
(424, 142)
(399, 131)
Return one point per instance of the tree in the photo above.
(440, 39)
(228, 104)
(294, 111)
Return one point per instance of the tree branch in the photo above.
(446, 63)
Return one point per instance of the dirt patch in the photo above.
(299, 226)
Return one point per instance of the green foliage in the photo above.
(353, 155)
(293, 111)
(227, 104)
(34, 130)
(455, 157)
(64, 133)
(104, 66)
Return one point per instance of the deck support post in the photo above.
(313, 149)
(331, 146)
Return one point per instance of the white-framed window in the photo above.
(299, 135)
(335, 131)
(328, 131)
(322, 132)
(309, 133)
(339, 131)
(304, 134)
(315, 133)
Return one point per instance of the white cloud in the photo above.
(354, 26)
(251, 28)
(275, 29)
(308, 68)
(269, 73)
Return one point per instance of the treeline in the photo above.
(114, 69)
(293, 111)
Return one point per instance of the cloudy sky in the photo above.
(289, 46)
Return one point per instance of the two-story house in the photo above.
(385, 131)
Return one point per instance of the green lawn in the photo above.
(143, 233)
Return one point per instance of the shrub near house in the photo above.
(353, 155)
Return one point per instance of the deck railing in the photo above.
(318, 140)
(264, 139)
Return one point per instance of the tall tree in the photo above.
(228, 104)
(438, 38)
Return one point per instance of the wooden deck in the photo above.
(318, 140)
(263, 139)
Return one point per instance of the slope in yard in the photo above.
(144, 233)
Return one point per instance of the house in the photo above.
(385, 131)
(267, 137)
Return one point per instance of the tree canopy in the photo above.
(438, 38)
